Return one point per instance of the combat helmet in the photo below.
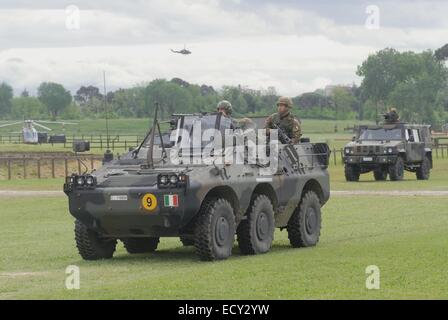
(286, 101)
(226, 105)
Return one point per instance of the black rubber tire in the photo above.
(214, 232)
(380, 174)
(396, 170)
(186, 242)
(305, 223)
(352, 172)
(423, 172)
(90, 245)
(140, 245)
(256, 233)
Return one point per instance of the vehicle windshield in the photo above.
(380, 134)
(192, 123)
(187, 123)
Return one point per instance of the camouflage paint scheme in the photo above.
(236, 183)
(377, 151)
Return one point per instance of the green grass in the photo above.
(437, 182)
(405, 237)
(317, 130)
(140, 126)
(29, 148)
(18, 147)
(32, 184)
(87, 127)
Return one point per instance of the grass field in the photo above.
(140, 126)
(406, 238)
(437, 182)
(317, 130)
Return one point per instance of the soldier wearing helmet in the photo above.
(285, 120)
(392, 116)
(225, 107)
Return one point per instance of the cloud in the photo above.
(295, 46)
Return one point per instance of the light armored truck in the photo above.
(389, 149)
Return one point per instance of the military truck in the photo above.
(146, 195)
(389, 149)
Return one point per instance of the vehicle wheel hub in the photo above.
(221, 231)
(310, 220)
(262, 226)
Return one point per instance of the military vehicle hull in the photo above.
(119, 212)
(139, 201)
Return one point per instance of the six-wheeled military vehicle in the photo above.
(389, 149)
(151, 192)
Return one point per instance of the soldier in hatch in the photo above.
(392, 116)
(285, 120)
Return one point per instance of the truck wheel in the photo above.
(214, 232)
(352, 172)
(304, 225)
(90, 245)
(256, 233)
(396, 171)
(140, 245)
(380, 174)
(424, 170)
(186, 242)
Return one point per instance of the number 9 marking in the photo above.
(149, 202)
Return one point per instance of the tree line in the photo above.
(414, 83)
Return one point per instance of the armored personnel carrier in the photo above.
(149, 193)
(389, 149)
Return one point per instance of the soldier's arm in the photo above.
(296, 132)
(268, 123)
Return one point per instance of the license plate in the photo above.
(119, 198)
(367, 159)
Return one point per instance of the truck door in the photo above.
(415, 147)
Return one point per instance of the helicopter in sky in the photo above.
(30, 133)
(184, 51)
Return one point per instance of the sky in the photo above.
(294, 46)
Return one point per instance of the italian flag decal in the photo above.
(171, 200)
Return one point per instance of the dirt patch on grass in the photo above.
(391, 193)
(30, 193)
(22, 274)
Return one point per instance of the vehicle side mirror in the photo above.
(353, 138)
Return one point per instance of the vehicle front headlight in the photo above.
(80, 181)
(347, 150)
(163, 180)
(390, 150)
(173, 179)
(90, 181)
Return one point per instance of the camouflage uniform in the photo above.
(287, 122)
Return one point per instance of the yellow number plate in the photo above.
(149, 202)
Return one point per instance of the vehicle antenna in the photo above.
(105, 109)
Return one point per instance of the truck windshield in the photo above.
(380, 134)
